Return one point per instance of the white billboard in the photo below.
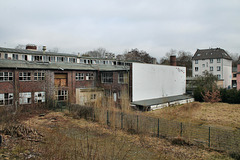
(150, 81)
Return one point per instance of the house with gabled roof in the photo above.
(216, 61)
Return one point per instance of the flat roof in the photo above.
(156, 101)
(59, 65)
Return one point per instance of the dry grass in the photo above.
(68, 138)
(218, 114)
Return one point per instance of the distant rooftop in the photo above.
(212, 53)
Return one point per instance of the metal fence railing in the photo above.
(207, 136)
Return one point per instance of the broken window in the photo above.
(6, 76)
(25, 98)
(37, 58)
(72, 60)
(24, 57)
(6, 99)
(107, 77)
(24, 76)
(79, 76)
(39, 76)
(61, 95)
(89, 76)
(39, 97)
(107, 93)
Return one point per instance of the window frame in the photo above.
(218, 60)
(107, 77)
(38, 77)
(25, 98)
(196, 69)
(89, 76)
(218, 68)
(23, 77)
(196, 61)
(6, 99)
(39, 99)
(63, 93)
(79, 76)
(6, 76)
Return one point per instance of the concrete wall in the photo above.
(151, 81)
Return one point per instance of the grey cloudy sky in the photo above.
(155, 26)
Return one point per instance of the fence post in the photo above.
(158, 129)
(181, 132)
(107, 117)
(209, 137)
(121, 120)
(0, 140)
(137, 123)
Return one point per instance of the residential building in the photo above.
(238, 76)
(234, 77)
(216, 61)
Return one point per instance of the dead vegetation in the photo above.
(63, 137)
(218, 114)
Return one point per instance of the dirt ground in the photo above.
(56, 135)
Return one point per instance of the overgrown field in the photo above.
(56, 135)
(217, 114)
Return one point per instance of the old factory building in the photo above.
(31, 77)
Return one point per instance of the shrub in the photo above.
(82, 111)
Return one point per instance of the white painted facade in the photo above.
(150, 81)
(221, 67)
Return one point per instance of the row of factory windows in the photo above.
(45, 58)
(39, 97)
(24, 98)
(106, 77)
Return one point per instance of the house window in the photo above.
(107, 77)
(234, 75)
(203, 65)
(196, 61)
(25, 76)
(122, 78)
(79, 76)
(218, 68)
(93, 96)
(89, 76)
(211, 60)
(39, 76)
(25, 98)
(211, 68)
(196, 75)
(6, 99)
(219, 76)
(6, 76)
(39, 97)
(218, 60)
(196, 69)
(61, 95)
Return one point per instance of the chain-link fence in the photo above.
(206, 136)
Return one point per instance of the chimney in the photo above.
(173, 61)
(31, 47)
(44, 48)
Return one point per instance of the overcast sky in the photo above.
(156, 26)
